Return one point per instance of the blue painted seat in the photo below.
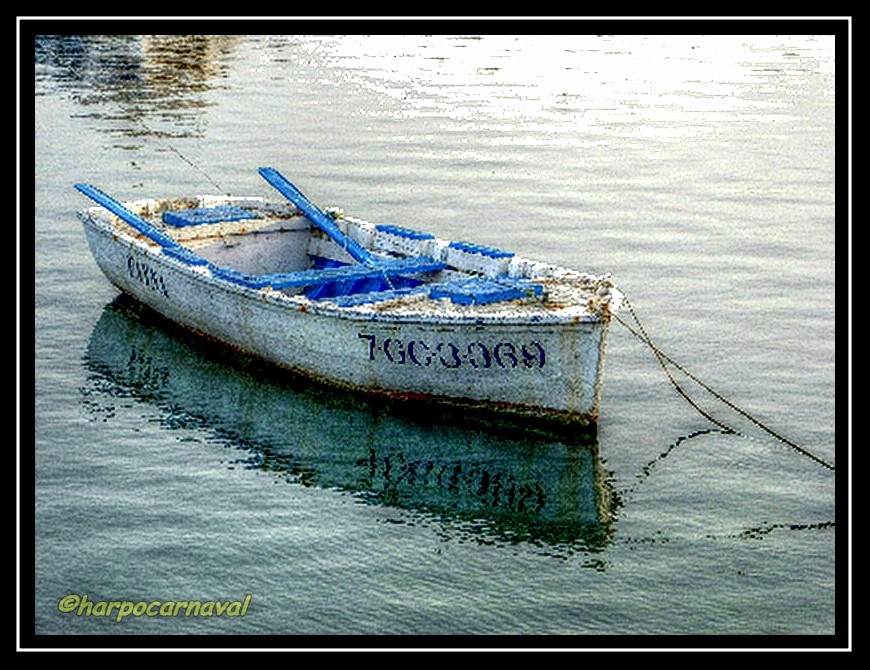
(469, 291)
(371, 297)
(202, 215)
(484, 291)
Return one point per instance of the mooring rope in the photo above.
(664, 360)
(189, 162)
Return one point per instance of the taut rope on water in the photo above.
(664, 361)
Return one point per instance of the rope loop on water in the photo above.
(665, 361)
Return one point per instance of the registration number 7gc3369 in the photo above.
(477, 355)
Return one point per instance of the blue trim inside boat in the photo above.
(184, 255)
(399, 231)
(491, 252)
(241, 278)
(321, 263)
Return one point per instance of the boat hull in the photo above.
(544, 372)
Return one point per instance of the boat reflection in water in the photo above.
(496, 485)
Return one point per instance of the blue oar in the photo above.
(317, 217)
(127, 216)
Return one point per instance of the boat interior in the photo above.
(297, 248)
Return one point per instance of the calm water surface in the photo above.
(698, 170)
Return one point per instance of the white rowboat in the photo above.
(380, 309)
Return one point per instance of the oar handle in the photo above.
(140, 224)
